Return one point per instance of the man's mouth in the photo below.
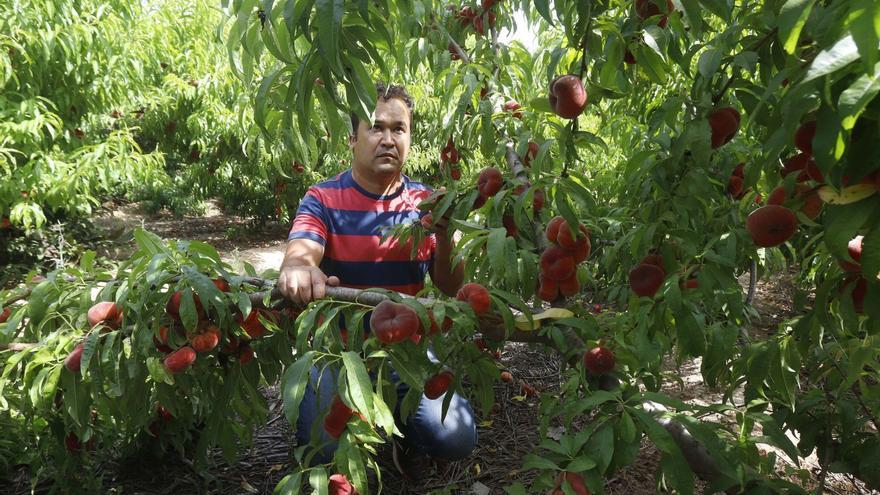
(387, 155)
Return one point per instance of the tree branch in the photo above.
(17, 346)
(458, 50)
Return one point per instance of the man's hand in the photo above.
(446, 277)
(303, 284)
(441, 227)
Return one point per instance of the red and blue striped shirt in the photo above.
(349, 222)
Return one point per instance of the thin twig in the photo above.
(858, 396)
(459, 50)
(584, 47)
(723, 69)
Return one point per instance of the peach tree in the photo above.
(161, 353)
(644, 156)
(698, 112)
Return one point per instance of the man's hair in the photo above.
(386, 93)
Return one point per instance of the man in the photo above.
(335, 240)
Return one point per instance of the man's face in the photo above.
(381, 149)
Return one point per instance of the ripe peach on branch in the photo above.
(438, 384)
(568, 98)
(599, 360)
(179, 360)
(489, 182)
(724, 123)
(73, 361)
(393, 322)
(645, 280)
(771, 225)
(105, 312)
(476, 296)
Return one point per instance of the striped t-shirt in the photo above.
(349, 221)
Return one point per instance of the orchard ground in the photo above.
(506, 435)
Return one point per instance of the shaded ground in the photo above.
(233, 237)
(507, 435)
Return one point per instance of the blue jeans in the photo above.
(452, 439)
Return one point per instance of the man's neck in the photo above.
(381, 186)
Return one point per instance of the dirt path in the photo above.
(235, 240)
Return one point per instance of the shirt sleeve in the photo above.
(310, 221)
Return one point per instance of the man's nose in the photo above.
(387, 138)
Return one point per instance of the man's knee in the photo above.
(452, 438)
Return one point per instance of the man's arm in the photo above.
(300, 279)
(446, 277)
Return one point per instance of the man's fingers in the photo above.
(305, 290)
(302, 285)
(318, 288)
(287, 286)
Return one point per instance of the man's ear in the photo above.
(352, 138)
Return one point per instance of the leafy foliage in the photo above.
(642, 173)
(646, 169)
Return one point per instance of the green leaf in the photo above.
(487, 130)
(543, 8)
(38, 302)
(601, 444)
(289, 485)
(89, 348)
(188, 314)
(261, 99)
(328, 22)
(870, 259)
(855, 98)
(157, 372)
(627, 427)
(516, 489)
(293, 385)
(584, 139)
(655, 38)
(843, 53)
(540, 104)
(672, 454)
(792, 18)
(772, 430)
(50, 386)
(594, 399)
(363, 86)
(694, 15)
(565, 209)
(352, 457)
(689, 334)
(865, 29)
(36, 386)
(841, 224)
(580, 464)
(532, 461)
(710, 61)
(651, 63)
(721, 8)
(495, 246)
(318, 480)
(360, 388)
